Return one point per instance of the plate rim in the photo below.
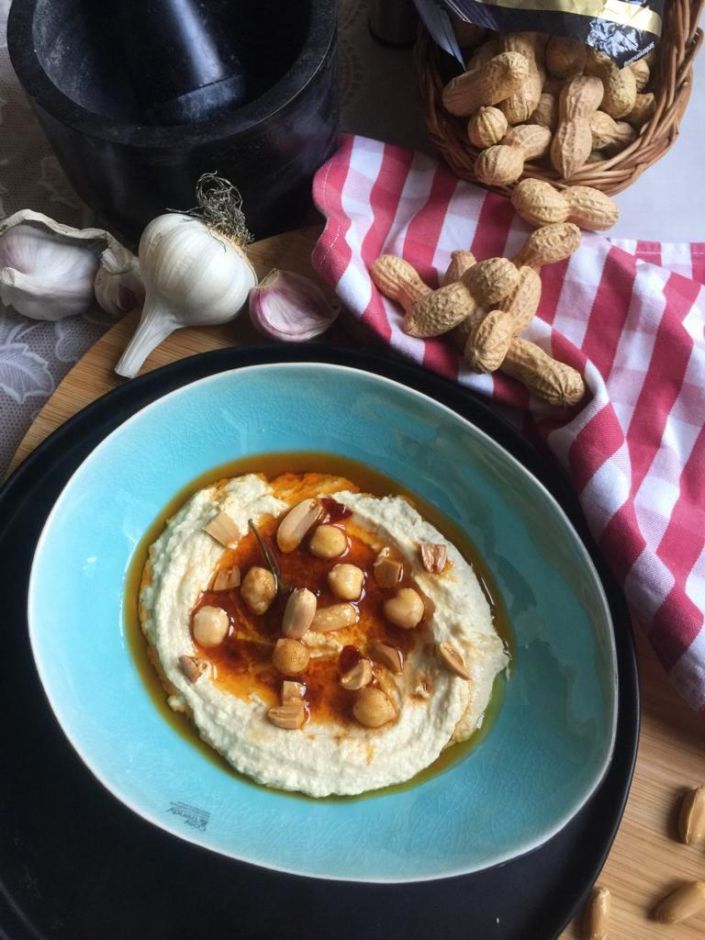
(79, 430)
(114, 788)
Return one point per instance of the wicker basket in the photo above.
(671, 85)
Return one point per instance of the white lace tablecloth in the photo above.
(35, 356)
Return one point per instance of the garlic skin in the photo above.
(192, 276)
(47, 269)
(291, 307)
(118, 290)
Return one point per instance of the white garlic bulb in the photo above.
(47, 269)
(193, 274)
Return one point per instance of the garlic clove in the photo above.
(47, 269)
(118, 288)
(291, 307)
(41, 298)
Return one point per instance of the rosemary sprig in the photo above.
(282, 586)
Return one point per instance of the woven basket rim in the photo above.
(681, 40)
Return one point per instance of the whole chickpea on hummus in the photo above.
(321, 639)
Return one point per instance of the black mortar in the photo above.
(71, 63)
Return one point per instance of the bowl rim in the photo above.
(47, 97)
(203, 843)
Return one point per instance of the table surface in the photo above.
(646, 859)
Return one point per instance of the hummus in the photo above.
(331, 740)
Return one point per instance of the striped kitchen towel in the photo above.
(629, 315)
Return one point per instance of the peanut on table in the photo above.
(484, 306)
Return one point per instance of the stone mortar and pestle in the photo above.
(140, 97)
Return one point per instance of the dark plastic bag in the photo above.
(626, 30)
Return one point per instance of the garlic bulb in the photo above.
(47, 269)
(195, 271)
(291, 307)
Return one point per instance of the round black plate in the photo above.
(76, 864)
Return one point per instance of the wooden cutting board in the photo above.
(646, 859)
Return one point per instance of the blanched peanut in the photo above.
(406, 610)
(223, 529)
(290, 657)
(299, 612)
(210, 626)
(358, 677)
(335, 617)
(292, 692)
(192, 667)
(388, 656)
(296, 524)
(345, 581)
(373, 708)
(328, 541)
(227, 580)
(289, 717)
(387, 571)
(258, 589)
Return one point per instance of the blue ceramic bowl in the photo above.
(550, 744)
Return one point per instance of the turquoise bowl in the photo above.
(551, 742)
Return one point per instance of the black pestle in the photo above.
(182, 59)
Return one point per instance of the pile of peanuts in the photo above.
(485, 305)
(531, 97)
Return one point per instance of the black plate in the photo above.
(76, 864)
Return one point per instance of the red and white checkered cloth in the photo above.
(628, 315)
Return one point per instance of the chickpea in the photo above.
(210, 626)
(290, 657)
(258, 589)
(345, 581)
(328, 541)
(373, 708)
(406, 609)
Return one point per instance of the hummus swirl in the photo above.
(331, 753)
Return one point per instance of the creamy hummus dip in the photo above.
(373, 651)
